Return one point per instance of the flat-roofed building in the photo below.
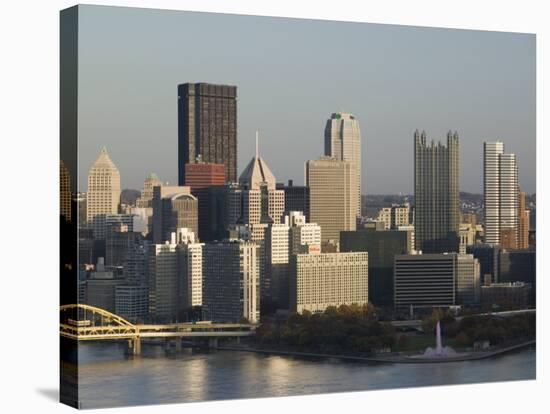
(332, 196)
(231, 281)
(435, 280)
(318, 281)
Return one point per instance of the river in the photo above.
(108, 378)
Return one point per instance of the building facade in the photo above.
(207, 126)
(318, 281)
(343, 142)
(231, 281)
(501, 193)
(103, 196)
(333, 204)
(435, 280)
(174, 207)
(296, 198)
(382, 247)
(436, 190)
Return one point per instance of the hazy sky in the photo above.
(291, 74)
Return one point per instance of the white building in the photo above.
(343, 142)
(501, 192)
(175, 276)
(328, 279)
(103, 195)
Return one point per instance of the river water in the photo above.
(108, 378)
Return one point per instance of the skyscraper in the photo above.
(436, 188)
(103, 187)
(231, 281)
(500, 189)
(343, 142)
(523, 240)
(64, 192)
(146, 198)
(331, 202)
(200, 176)
(207, 126)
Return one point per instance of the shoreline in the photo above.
(391, 359)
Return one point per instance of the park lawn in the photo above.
(421, 342)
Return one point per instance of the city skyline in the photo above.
(481, 99)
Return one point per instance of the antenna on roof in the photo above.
(256, 143)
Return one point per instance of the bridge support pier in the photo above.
(134, 346)
(212, 342)
(178, 344)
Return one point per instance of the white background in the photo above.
(29, 134)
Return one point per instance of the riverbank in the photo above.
(392, 358)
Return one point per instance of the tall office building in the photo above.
(328, 279)
(343, 142)
(500, 189)
(190, 268)
(174, 207)
(199, 177)
(332, 201)
(64, 192)
(436, 189)
(103, 195)
(207, 126)
(146, 198)
(261, 202)
(231, 281)
(175, 276)
(523, 239)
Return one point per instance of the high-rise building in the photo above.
(436, 189)
(103, 195)
(332, 200)
(261, 203)
(303, 237)
(328, 279)
(64, 192)
(175, 276)
(119, 240)
(523, 239)
(500, 189)
(207, 126)
(174, 207)
(190, 267)
(131, 302)
(343, 142)
(382, 246)
(146, 198)
(231, 281)
(199, 177)
(296, 198)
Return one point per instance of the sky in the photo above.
(291, 75)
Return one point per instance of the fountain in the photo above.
(440, 351)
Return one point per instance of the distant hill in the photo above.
(129, 196)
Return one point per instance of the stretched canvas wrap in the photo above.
(259, 206)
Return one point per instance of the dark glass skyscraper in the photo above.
(436, 188)
(207, 126)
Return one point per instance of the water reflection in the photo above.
(108, 378)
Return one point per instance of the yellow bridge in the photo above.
(88, 323)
